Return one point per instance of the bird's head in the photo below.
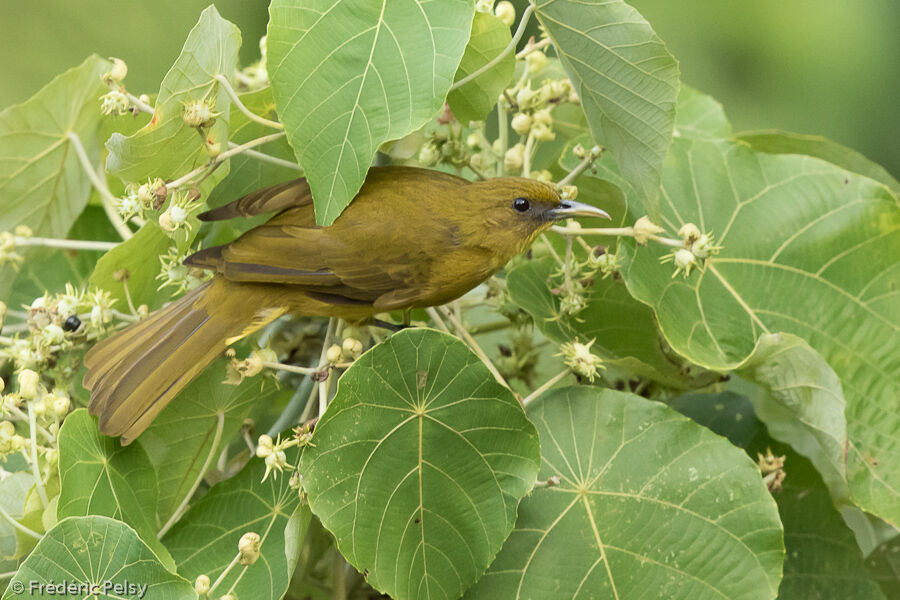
(515, 210)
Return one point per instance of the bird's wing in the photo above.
(290, 194)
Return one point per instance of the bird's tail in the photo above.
(134, 374)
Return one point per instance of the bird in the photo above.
(411, 238)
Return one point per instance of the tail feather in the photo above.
(136, 373)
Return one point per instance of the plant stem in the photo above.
(338, 577)
(295, 408)
(109, 201)
(546, 386)
(323, 386)
(528, 49)
(294, 368)
(67, 244)
(223, 157)
(36, 471)
(223, 575)
(464, 334)
(511, 47)
(578, 170)
(240, 105)
(182, 508)
(436, 317)
(526, 155)
(615, 231)
(503, 127)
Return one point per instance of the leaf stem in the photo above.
(35, 469)
(511, 47)
(109, 201)
(338, 577)
(614, 231)
(269, 159)
(323, 385)
(546, 386)
(19, 526)
(503, 126)
(578, 170)
(240, 105)
(294, 409)
(223, 575)
(528, 49)
(67, 244)
(182, 508)
(181, 181)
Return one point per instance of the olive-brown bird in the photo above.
(411, 238)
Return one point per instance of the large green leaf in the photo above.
(419, 464)
(784, 142)
(626, 79)
(181, 439)
(42, 182)
(92, 551)
(100, 477)
(349, 76)
(206, 539)
(649, 504)
(167, 147)
(473, 101)
(801, 403)
(809, 249)
(822, 559)
(700, 116)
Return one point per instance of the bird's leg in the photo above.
(406, 316)
(389, 326)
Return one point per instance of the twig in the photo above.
(436, 317)
(323, 385)
(614, 231)
(503, 127)
(526, 155)
(182, 508)
(546, 386)
(269, 159)
(240, 105)
(511, 47)
(532, 47)
(19, 526)
(223, 575)
(223, 157)
(579, 169)
(109, 201)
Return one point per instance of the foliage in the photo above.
(747, 281)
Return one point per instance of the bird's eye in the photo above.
(521, 204)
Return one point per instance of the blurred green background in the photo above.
(828, 67)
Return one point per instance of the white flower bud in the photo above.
(264, 446)
(334, 354)
(201, 585)
(352, 348)
(114, 103)
(60, 405)
(506, 12)
(535, 61)
(28, 383)
(177, 214)
(684, 261)
(248, 547)
(690, 233)
(198, 113)
(545, 176)
(429, 155)
(581, 360)
(7, 430)
(542, 133)
(514, 157)
(53, 334)
(543, 116)
(525, 97)
(521, 123)
(119, 69)
(569, 192)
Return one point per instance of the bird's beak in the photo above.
(570, 208)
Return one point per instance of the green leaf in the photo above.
(206, 539)
(13, 491)
(474, 100)
(100, 477)
(419, 464)
(193, 427)
(783, 142)
(884, 564)
(348, 76)
(727, 413)
(649, 504)
(167, 147)
(42, 182)
(93, 551)
(700, 116)
(626, 79)
(801, 403)
(808, 250)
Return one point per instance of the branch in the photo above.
(109, 201)
(223, 157)
(546, 386)
(269, 159)
(240, 105)
(67, 244)
(523, 22)
(35, 469)
(464, 334)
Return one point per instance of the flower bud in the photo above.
(118, 71)
(535, 61)
(514, 157)
(2, 316)
(248, 547)
(473, 141)
(114, 103)
(521, 123)
(334, 354)
(558, 88)
(198, 113)
(23, 231)
(201, 585)
(264, 446)
(525, 97)
(28, 384)
(579, 151)
(53, 334)
(690, 233)
(542, 133)
(352, 348)
(545, 176)
(506, 12)
(645, 229)
(581, 360)
(704, 246)
(568, 192)
(7, 430)
(684, 261)
(429, 154)
(60, 405)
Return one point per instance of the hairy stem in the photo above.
(183, 180)
(240, 105)
(109, 201)
(35, 469)
(546, 386)
(67, 244)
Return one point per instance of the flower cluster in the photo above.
(698, 247)
(581, 360)
(173, 273)
(141, 199)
